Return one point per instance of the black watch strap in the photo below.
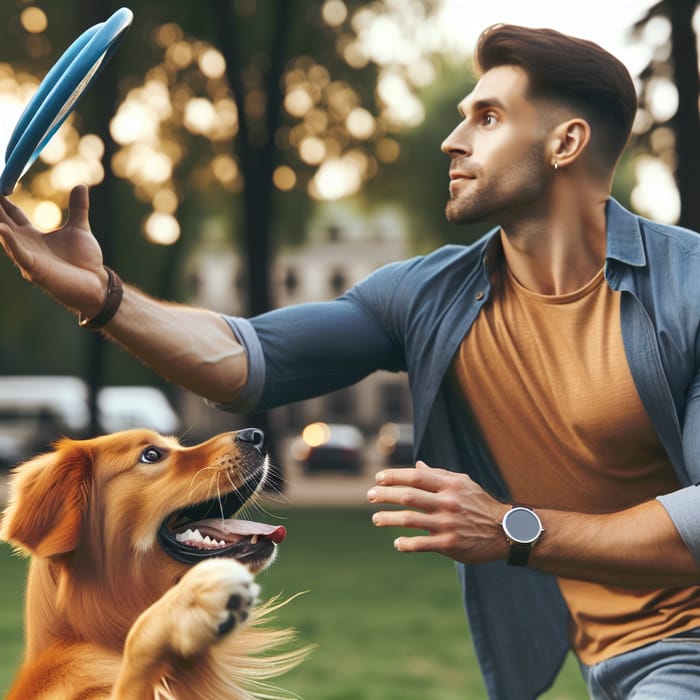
(518, 554)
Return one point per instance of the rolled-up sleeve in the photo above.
(683, 506)
(245, 334)
(306, 350)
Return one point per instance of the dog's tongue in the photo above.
(243, 528)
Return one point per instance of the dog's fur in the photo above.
(109, 612)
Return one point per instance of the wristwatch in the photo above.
(523, 529)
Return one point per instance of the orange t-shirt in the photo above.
(551, 390)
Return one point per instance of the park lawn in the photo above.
(387, 626)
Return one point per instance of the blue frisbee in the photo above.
(58, 94)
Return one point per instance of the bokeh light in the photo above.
(163, 229)
(334, 12)
(212, 63)
(316, 434)
(284, 178)
(165, 201)
(33, 20)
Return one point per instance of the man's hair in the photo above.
(572, 72)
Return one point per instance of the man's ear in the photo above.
(568, 141)
(47, 501)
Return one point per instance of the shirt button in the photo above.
(479, 296)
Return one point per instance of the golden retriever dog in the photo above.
(141, 580)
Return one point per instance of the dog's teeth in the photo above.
(184, 536)
(189, 535)
(193, 536)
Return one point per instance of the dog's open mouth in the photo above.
(208, 529)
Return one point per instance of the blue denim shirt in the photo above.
(411, 316)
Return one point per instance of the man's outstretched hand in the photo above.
(65, 263)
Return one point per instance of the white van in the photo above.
(36, 410)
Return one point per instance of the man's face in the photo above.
(497, 167)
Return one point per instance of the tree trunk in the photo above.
(256, 152)
(103, 95)
(687, 119)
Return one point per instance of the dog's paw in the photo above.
(213, 598)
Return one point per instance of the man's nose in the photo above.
(457, 142)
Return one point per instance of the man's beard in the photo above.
(490, 200)
(472, 208)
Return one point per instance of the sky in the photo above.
(606, 22)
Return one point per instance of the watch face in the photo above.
(522, 525)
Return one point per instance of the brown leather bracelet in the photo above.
(113, 298)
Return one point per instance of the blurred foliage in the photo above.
(311, 60)
(420, 180)
(668, 122)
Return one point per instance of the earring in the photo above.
(555, 165)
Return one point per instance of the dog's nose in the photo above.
(252, 436)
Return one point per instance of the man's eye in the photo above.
(489, 119)
(151, 455)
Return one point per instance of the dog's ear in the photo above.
(47, 501)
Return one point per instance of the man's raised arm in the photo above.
(191, 347)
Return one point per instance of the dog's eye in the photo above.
(151, 455)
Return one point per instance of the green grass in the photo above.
(387, 626)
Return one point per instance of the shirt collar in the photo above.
(492, 250)
(624, 237)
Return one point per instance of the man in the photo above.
(554, 363)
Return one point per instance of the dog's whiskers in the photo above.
(218, 496)
(277, 494)
(250, 506)
(271, 514)
(273, 491)
(230, 480)
(197, 475)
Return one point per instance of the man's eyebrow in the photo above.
(482, 104)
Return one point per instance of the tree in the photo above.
(307, 87)
(303, 113)
(674, 138)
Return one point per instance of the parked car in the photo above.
(328, 447)
(124, 407)
(395, 444)
(36, 410)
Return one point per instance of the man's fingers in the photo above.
(421, 543)
(78, 207)
(420, 499)
(421, 477)
(15, 250)
(403, 518)
(427, 541)
(12, 214)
